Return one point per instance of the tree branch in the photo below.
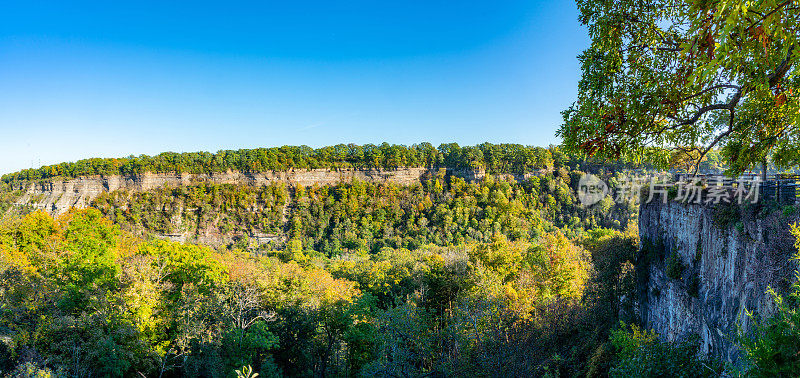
(782, 68)
(709, 89)
(777, 8)
(700, 112)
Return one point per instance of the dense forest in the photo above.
(445, 277)
(493, 158)
(80, 297)
(442, 210)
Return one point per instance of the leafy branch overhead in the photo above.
(689, 76)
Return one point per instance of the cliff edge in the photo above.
(56, 196)
(705, 267)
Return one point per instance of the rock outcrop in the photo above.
(56, 196)
(707, 267)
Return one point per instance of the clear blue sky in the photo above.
(111, 79)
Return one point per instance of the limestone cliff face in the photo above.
(57, 196)
(729, 257)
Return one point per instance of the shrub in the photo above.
(725, 215)
(772, 349)
(641, 354)
(674, 268)
(31, 370)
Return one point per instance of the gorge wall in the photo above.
(56, 196)
(705, 267)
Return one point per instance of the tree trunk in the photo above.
(764, 170)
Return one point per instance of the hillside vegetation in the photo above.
(81, 297)
(444, 277)
(360, 215)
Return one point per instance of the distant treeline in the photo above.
(494, 158)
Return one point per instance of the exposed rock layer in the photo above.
(729, 258)
(56, 196)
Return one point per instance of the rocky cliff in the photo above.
(56, 196)
(706, 267)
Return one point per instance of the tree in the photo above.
(689, 76)
(247, 335)
(88, 265)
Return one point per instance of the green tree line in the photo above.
(494, 158)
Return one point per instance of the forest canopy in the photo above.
(689, 76)
(493, 158)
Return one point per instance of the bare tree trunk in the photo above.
(764, 170)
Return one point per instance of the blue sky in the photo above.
(109, 79)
